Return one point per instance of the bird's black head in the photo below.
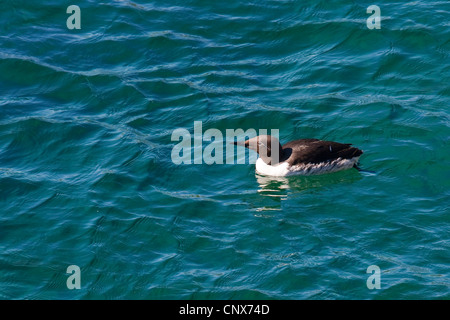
(268, 148)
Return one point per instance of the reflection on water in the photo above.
(270, 184)
(279, 188)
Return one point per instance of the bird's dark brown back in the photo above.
(316, 151)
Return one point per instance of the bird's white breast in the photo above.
(279, 170)
(283, 169)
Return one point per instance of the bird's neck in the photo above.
(273, 157)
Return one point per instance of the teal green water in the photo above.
(86, 177)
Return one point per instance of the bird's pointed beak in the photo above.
(240, 143)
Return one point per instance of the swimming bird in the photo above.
(301, 157)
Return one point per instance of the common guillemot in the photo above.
(301, 157)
